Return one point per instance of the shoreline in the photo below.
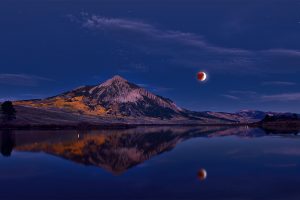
(279, 125)
(105, 126)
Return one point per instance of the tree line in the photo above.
(8, 112)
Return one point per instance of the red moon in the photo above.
(201, 76)
(202, 174)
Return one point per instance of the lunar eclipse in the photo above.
(202, 76)
(202, 174)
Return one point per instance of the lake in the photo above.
(150, 163)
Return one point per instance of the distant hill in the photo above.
(281, 117)
(281, 122)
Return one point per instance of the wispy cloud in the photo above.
(283, 165)
(161, 89)
(21, 79)
(243, 95)
(278, 83)
(258, 97)
(282, 52)
(157, 89)
(32, 96)
(228, 96)
(282, 97)
(189, 39)
(192, 50)
(133, 68)
(246, 93)
(291, 151)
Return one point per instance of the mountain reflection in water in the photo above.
(115, 150)
(151, 163)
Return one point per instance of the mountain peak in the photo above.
(121, 96)
(118, 78)
(114, 79)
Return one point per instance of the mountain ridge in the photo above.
(119, 101)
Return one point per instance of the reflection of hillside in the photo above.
(242, 131)
(114, 150)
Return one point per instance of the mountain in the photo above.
(116, 97)
(119, 101)
(115, 100)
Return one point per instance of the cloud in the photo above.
(255, 96)
(157, 89)
(133, 68)
(21, 79)
(189, 39)
(282, 52)
(230, 97)
(244, 93)
(278, 83)
(32, 96)
(192, 50)
(282, 97)
(161, 89)
(245, 96)
(290, 151)
(283, 165)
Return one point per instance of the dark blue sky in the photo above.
(249, 48)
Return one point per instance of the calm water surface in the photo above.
(150, 163)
